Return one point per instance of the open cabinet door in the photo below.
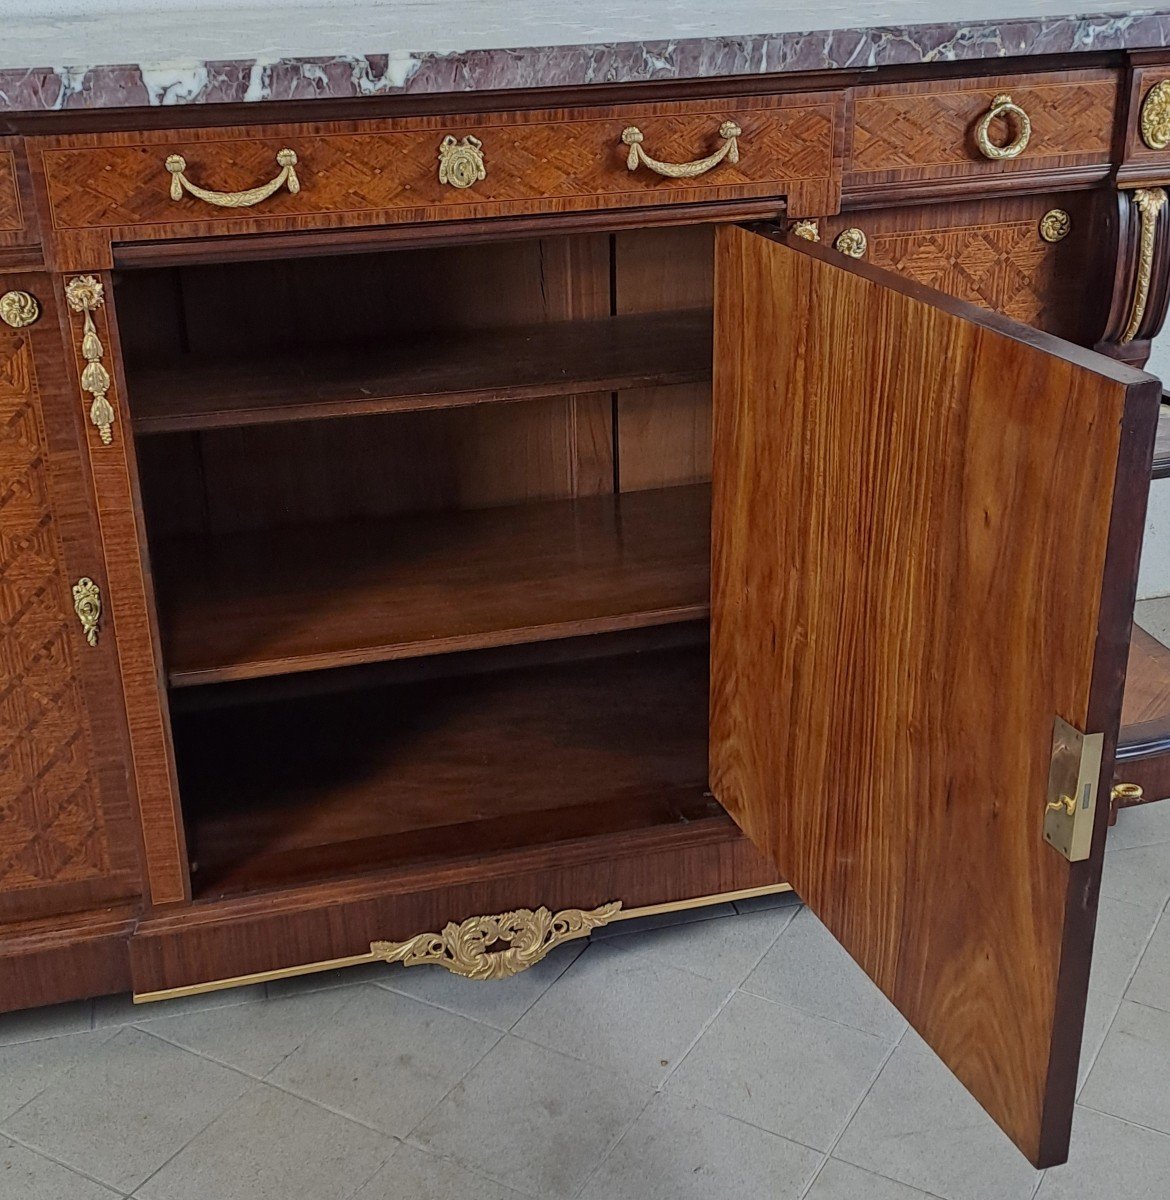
(927, 522)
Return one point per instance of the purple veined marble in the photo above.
(421, 73)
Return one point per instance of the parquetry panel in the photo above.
(365, 171)
(50, 827)
(10, 218)
(1002, 267)
(936, 128)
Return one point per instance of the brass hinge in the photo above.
(1072, 790)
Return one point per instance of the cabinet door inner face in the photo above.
(926, 528)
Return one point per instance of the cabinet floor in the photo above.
(568, 1081)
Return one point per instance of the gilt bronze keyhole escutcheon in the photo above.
(461, 163)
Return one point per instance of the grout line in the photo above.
(410, 1139)
(500, 1036)
(616, 1141)
(1096, 1054)
(60, 1162)
(852, 1113)
(1091, 1060)
(53, 1080)
(726, 1001)
(1100, 1112)
(264, 1081)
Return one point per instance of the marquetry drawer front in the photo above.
(10, 218)
(242, 180)
(1032, 258)
(1147, 137)
(11, 214)
(975, 128)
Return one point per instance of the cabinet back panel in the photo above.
(664, 433)
(272, 476)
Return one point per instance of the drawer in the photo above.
(13, 223)
(996, 253)
(498, 164)
(1146, 156)
(10, 217)
(933, 131)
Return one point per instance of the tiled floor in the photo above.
(727, 1053)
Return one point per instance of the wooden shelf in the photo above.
(254, 605)
(1147, 682)
(456, 369)
(315, 787)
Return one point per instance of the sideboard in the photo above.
(434, 526)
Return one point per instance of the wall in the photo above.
(1154, 579)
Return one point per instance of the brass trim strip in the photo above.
(86, 295)
(357, 960)
(524, 936)
(1150, 202)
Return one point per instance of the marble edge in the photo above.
(390, 73)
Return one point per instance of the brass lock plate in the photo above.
(1073, 776)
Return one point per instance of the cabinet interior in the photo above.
(429, 537)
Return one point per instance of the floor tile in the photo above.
(121, 1112)
(31, 1024)
(412, 1174)
(771, 900)
(384, 1059)
(27, 1176)
(1100, 1010)
(121, 1010)
(609, 1010)
(677, 1150)
(497, 1002)
(794, 1074)
(920, 1126)
(1122, 933)
(319, 981)
(682, 916)
(842, 1181)
(808, 969)
(1131, 1077)
(1139, 876)
(1151, 983)
(1110, 1159)
(254, 1038)
(721, 950)
(1142, 825)
(1153, 616)
(533, 1119)
(271, 1146)
(27, 1068)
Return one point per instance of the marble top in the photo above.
(289, 50)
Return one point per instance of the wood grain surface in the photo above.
(925, 131)
(444, 370)
(115, 186)
(68, 831)
(304, 599)
(305, 788)
(897, 619)
(990, 252)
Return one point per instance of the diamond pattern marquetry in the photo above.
(532, 165)
(932, 129)
(10, 219)
(50, 827)
(1002, 267)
